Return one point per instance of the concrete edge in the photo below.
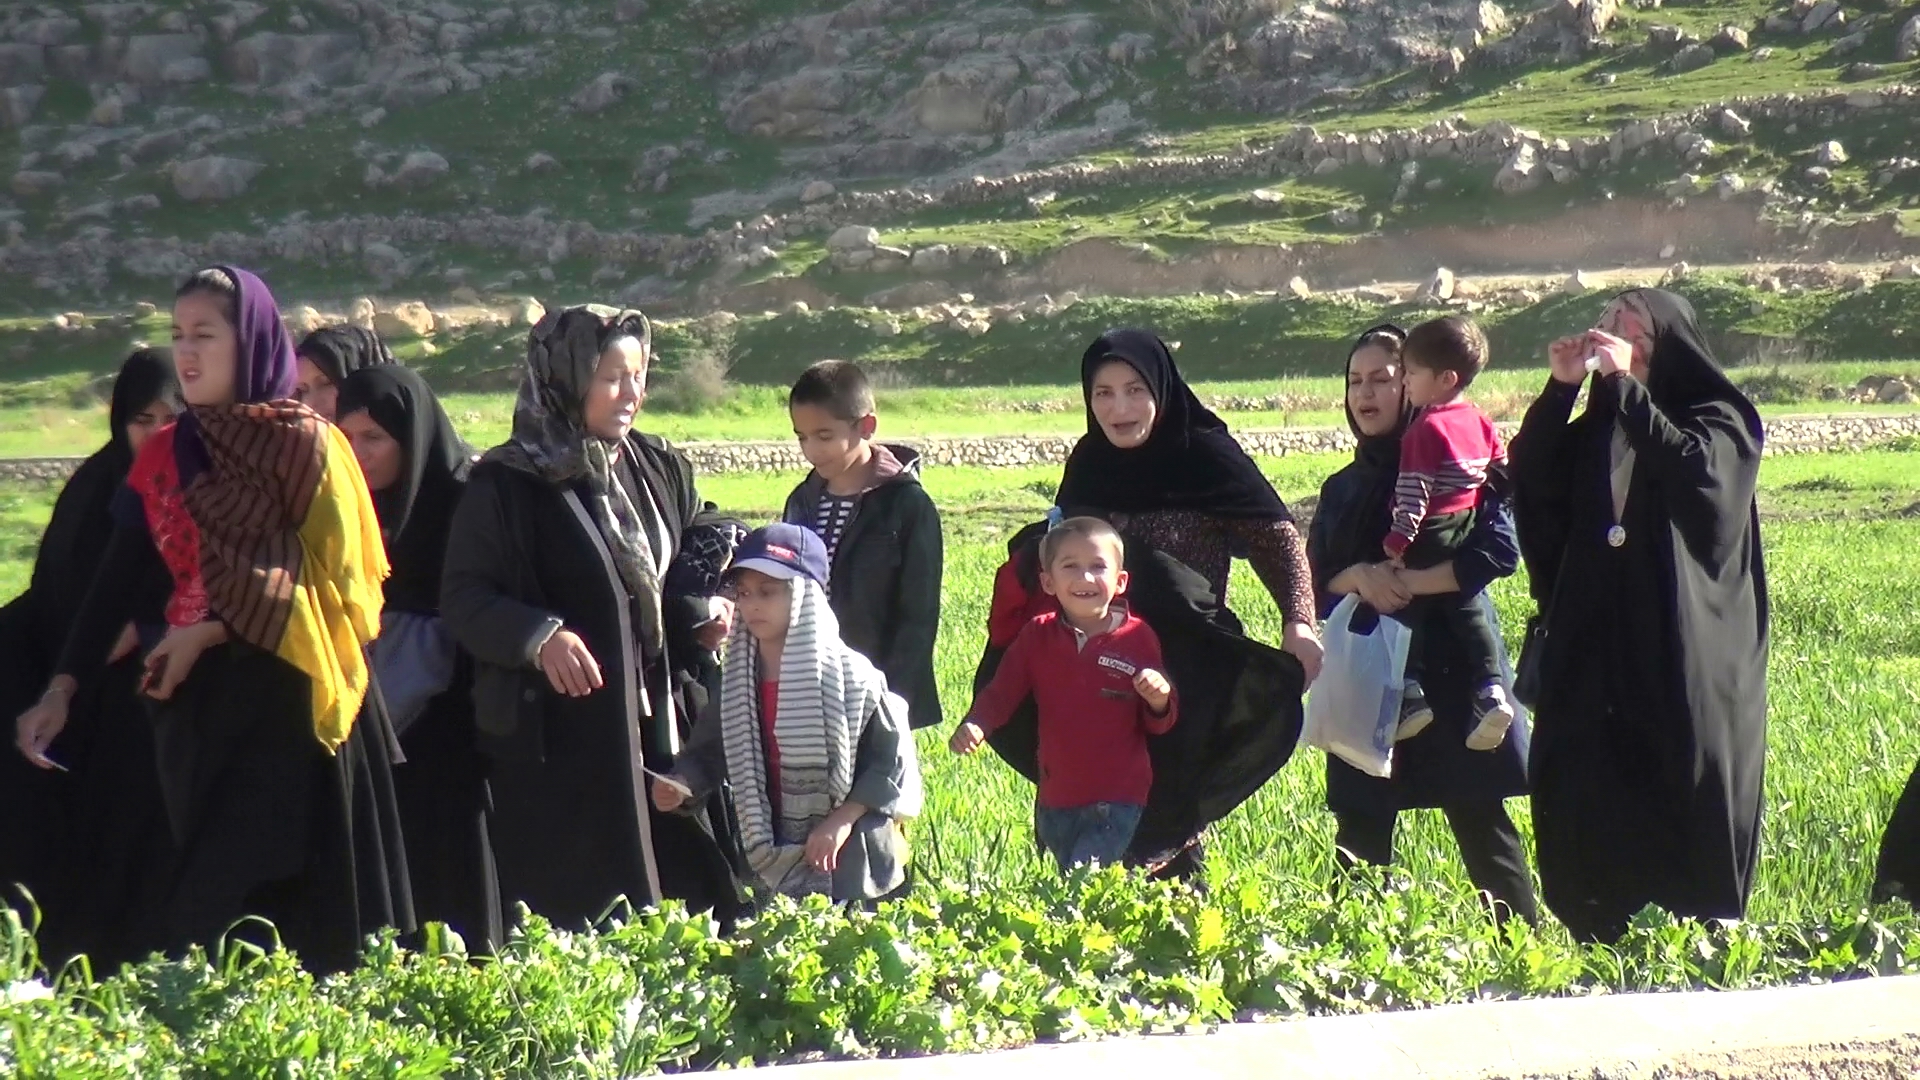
(1867, 1028)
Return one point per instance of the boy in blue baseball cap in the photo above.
(817, 749)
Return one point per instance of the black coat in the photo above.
(885, 586)
(1240, 710)
(573, 825)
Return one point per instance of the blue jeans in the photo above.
(1082, 834)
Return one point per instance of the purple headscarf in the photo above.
(264, 367)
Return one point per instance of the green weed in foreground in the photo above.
(993, 949)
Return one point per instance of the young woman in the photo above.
(327, 356)
(1433, 769)
(1165, 471)
(417, 467)
(88, 843)
(273, 774)
(1642, 540)
(554, 584)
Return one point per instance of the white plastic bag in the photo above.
(1354, 706)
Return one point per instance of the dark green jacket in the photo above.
(885, 587)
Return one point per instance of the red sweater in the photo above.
(1093, 724)
(1444, 458)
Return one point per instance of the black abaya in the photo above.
(1649, 749)
(1897, 872)
(441, 786)
(90, 843)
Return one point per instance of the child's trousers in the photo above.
(1075, 835)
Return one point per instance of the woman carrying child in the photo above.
(816, 749)
(1435, 768)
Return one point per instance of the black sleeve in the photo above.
(1543, 485)
(126, 574)
(1707, 457)
(477, 582)
(916, 619)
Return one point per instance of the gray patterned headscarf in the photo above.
(550, 440)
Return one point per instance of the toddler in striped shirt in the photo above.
(1446, 455)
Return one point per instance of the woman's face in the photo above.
(313, 389)
(206, 351)
(1374, 390)
(1123, 405)
(1626, 318)
(377, 451)
(618, 388)
(145, 422)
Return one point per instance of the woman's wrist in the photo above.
(62, 686)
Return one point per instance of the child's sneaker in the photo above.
(1495, 716)
(1415, 714)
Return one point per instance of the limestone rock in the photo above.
(1521, 173)
(854, 238)
(149, 57)
(817, 191)
(933, 259)
(214, 179)
(603, 91)
(1298, 288)
(1820, 16)
(1831, 153)
(528, 312)
(405, 322)
(1731, 39)
(1441, 285)
(361, 313)
(1733, 125)
(1692, 58)
(1729, 185)
(1579, 282)
(1265, 199)
(540, 161)
(18, 104)
(418, 170)
(1907, 45)
(305, 320)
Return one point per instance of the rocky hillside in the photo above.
(701, 154)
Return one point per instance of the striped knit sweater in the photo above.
(1444, 458)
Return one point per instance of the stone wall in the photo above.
(1785, 435)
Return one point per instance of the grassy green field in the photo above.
(993, 950)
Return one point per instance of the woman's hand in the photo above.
(1615, 354)
(171, 661)
(36, 728)
(1300, 640)
(828, 837)
(123, 647)
(1381, 587)
(667, 797)
(1567, 359)
(712, 634)
(569, 665)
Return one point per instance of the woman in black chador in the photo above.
(90, 843)
(1897, 874)
(416, 467)
(1638, 525)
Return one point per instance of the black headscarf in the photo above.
(339, 351)
(76, 536)
(417, 510)
(1354, 515)
(1189, 461)
(1682, 371)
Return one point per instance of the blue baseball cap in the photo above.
(783, 551)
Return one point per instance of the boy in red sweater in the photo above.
(1093, 671)
(1445, 457)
